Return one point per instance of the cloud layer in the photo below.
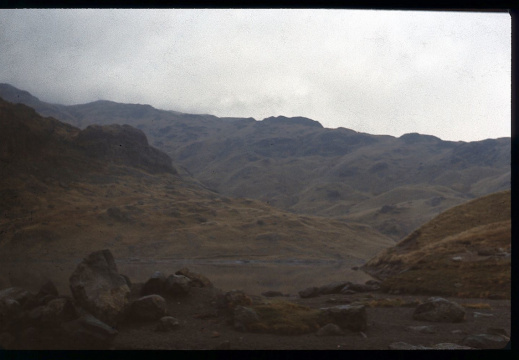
(381, 72)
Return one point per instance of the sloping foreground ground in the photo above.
(464, 251)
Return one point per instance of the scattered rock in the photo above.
(272, 293)
(422, 329)
(458, 332)
(167, 323)
(484, 341)
(333, 288)
(99, 288)
(243, 316)
(309, 292)
(352, 317)
(479, 314)
(330, 330)
(155, 284)
(197, 280)
(88, 332)
(176, 285)
(439, 310)
(148, 308)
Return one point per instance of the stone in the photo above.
(243, 316)
(484, 341)
(333, 288)
(457, 258)
(437, 309)
(361, 287)
(309, 292)
(480, 314)
(56, 312)
(154, 285)
(15, 293)
(330, 330)
(177, 285)
(233, 298)
(148, 308)
(498, 331)
(347, 291)
(422, 329)
(272, 293)
(99, 288)
(442, 346)
(352, 317)
(167, 323)
(197, 280)
(88, 332)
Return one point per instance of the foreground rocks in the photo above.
(99, 288)
(439, 310)
(352, 317)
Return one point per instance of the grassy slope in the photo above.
(422, 262)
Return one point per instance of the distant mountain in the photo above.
(66, 192)
(464, 251)
(392, 184)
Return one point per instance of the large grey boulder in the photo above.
(99, 288)
(352, 317)
(148, 308)
(438, 309)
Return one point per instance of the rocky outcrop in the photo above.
(98, 287)
(439, 310)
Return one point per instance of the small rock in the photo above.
(243, 316)
(197, 280)
(479, 314)
(457, 258)
(167, 323)
(330, 330)
(333, 288)
(439, 310)
(177, 285)
(347, 291)
(484, 341)
(88, 332)
(233, 298)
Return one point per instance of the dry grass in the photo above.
(286, 318)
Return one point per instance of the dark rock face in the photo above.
(124, 144)
(352, 317)
(99, 288)
(439, 310)
(148, 308)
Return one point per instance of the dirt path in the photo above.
(202, 329)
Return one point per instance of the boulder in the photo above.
(485, 341)
(15, 293)
(309, 292)
(177, 285)
(232, 299)
(148, 308)
(330, 330)
(99, 288)
(167, 323)
(88, 332)
(439, 310)
(47, 292)
(155, 284)
(352, 317)
(197, 280)
(243, 316)
(333, 288)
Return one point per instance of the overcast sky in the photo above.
(381, 72)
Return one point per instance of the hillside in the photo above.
(392, 184)
(66, 192)
(464, 251)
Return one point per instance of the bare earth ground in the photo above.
(202, 329)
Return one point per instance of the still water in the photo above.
(251, 276)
